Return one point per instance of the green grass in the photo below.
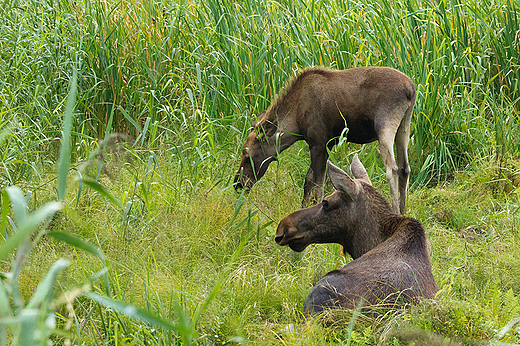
(175, 249)
(159, 249)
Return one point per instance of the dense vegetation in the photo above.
(121, 123)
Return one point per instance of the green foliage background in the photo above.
(165, 95)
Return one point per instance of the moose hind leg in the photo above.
(386, 147)
(402, 139)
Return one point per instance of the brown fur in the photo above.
(391, 253)
(375, 103)
(294, 86)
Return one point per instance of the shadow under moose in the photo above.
(391, 253)
(374, 103)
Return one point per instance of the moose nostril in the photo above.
(278, 239)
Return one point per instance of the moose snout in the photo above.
(246, 184)
(238, 184)
(238, 180)
(242, 182)
(285, 233)
(279, 237)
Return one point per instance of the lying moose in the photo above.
(391, 253)
(374, 103)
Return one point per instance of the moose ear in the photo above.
(358, 170)
(258, 118)
(341, 181)
(265, 130)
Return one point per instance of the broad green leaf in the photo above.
(133, 312)
(101, 273)
(127, 210)
(184, 323)
(108, 128)
(77, 243)
(26, 228)
(5, 212)
(4, 302)
(145, 130)
(96, 186)
(353, 320)
(45, 287)
(507, 328)
(29, 327)
(131, 120)
(158, 167)
(18, 203)
(3, 135)
(80, 188)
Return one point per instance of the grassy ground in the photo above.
(174, 246)
(154, 99)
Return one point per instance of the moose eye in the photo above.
(325, 204)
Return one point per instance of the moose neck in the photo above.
(371, 230)
(287, 132)
(408, 235)
(396, 231)
(366, 236)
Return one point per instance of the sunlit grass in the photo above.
(154, 220)
(174, 249)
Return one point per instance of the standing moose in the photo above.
(374, 103)
(391, 253)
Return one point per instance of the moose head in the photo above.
(350, 216)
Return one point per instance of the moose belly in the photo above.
(361, 131)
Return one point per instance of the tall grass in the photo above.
(147, 216)
(154, 67)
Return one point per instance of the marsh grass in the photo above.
(167, 261)
(202, 70)
(152, 245)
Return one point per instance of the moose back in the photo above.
(375, 103)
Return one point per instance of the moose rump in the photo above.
(375, 103)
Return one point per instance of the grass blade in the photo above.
(78, 243)
(4, 302)
(132, 312)
(18, 203)
(96, 186)
(5, 213)
(64, 161)
(29, 327)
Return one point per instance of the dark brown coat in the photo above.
(391, 253)
(375, 103)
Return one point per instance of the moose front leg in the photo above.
(315, 177)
